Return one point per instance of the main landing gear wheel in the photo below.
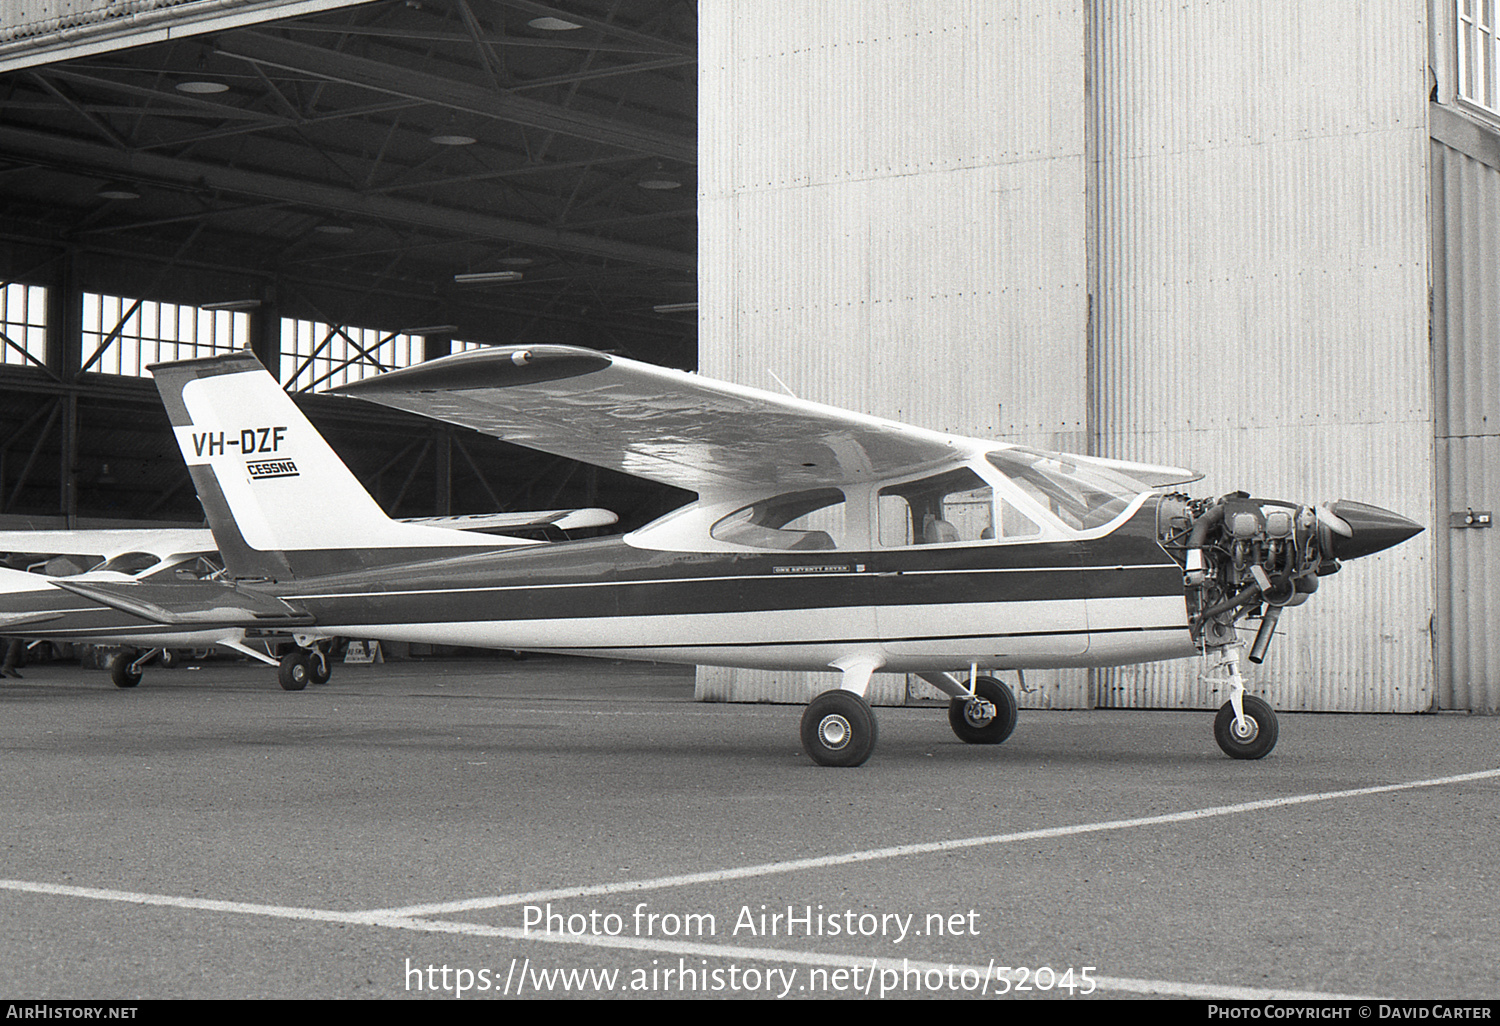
(838, 729)
(319, 666)
(1259, 735)
(295, 670)
(988, 717)
(123, 671)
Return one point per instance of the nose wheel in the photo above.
(1252, 737)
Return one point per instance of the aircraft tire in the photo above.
(981, 731)
(838, 729)
(319, 666)
(1263, 733)
(120, 670)
(294, 672)
(170, 659)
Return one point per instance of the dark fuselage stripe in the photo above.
(768, 593)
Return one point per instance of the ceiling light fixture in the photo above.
(659, 182)
(486, 277)
(333, 228)
(431, 329)
(675, 307)
(233, 304)
(118, 191)
(451, 139)
(553, 24)
(201, 87)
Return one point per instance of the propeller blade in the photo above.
(1338, 525)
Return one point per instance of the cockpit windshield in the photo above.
(1082, 494)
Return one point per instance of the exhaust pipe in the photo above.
(1263, 636)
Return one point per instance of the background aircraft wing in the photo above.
(108, 542)
(653, 422)
(191, 603)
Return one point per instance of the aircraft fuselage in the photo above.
(1103, 601)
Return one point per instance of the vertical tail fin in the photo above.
(279, 500)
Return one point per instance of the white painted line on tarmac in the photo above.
(921, 848)
(896, 971)
(199, 904)
(948, 970)
(414, 917)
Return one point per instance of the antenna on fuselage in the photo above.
(778, 381)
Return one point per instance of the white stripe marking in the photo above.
(408, 917)
(684, 948)
(922, 848)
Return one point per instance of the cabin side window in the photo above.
(799, 521)
(955, 506)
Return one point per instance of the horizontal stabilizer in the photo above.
(191, 603)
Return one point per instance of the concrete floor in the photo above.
(407, 829)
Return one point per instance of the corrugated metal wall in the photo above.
(899, 215)
(36, 31)
(1466, 363)
(24, 18)
(1261, 301)
(891, 219)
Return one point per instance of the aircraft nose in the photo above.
(1373, 529)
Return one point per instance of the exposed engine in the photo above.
(1249, 557)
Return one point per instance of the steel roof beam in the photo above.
(608, 28)
(76, 155)
(362, 72)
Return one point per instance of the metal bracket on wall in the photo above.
(1471, 518)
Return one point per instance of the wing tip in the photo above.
(493, 367)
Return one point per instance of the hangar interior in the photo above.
(1189, 233)
(349, 190)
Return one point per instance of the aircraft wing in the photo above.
(109, 542)
(191, 603)
(653, 422)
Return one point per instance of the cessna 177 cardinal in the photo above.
(820, 538)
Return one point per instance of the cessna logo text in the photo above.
(251, 440)
(271, 468)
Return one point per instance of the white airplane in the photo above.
(820, 538)
(30, 607)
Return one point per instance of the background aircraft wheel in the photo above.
(319, 666)
(170, 659)
(295, 671)
(838, 729)
(1258, 740)
(120, 670)
(987, 721)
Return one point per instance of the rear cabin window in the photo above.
(796, 522)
